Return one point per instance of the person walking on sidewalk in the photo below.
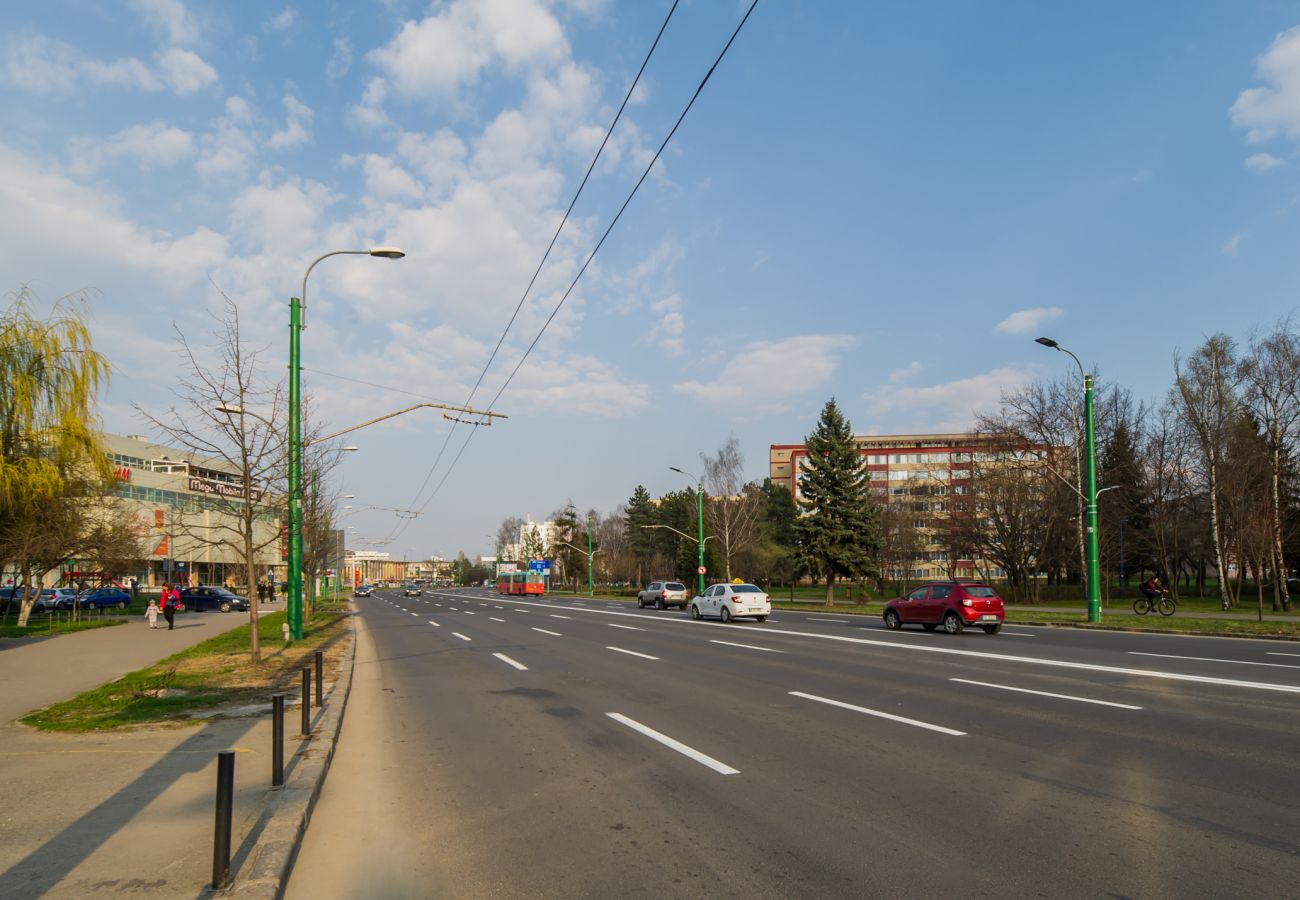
(171, 598)
(152, 613)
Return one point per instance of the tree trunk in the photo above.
(830, 587)
(1225, 588)
(254, 638)
(1281, 595)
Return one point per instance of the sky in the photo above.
(884, 203)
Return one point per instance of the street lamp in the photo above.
(699, 496)
(1090, 487)
(297, 322)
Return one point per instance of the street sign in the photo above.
(540, 565)
(701, 570)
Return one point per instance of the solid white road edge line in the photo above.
(551, 633)
(703, 759)
(878, 713)
(1020, 690)
(1273, 653)
(510, 662)
(1239, 662)
(747, 646)
(461, 636)
(633, 653)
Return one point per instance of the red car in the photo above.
(952, 604)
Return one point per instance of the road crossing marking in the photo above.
(510, 662)
(879, 714)
(1020, 690)
(551, 633)
(633, 653)
(747, 646)
(461, 636)
(1239, 662)
(702, 758)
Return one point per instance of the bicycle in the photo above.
(1164, 603)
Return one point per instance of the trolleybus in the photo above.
(521, 583)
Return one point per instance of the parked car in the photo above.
(952, 604)
(412, 590)
(207, 596)
(663, 594)
(732, 601)
(363, 590)
(101, 598)
(54, 598)
(10, 598)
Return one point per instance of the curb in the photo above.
(1132, 629)
(283, 823)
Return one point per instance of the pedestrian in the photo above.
(171, 598)
(152, 613)
(270, 592)
(261, 592)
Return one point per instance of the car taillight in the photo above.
(966, 601)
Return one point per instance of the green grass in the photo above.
(47, 625)
(213, 673)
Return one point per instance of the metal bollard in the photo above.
(277, 740)
(306, 700)
(320, 679)
(225, 805)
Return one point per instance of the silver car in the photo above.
(663, 594)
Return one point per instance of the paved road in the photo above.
(502, 747)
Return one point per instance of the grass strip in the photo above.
(41, 628)
(213, 673)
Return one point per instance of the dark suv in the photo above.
(952, 604)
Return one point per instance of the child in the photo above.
(152, 613)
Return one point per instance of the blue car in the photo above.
(101, 598)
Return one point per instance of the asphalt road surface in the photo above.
(531, 747)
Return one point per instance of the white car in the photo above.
(732, 601)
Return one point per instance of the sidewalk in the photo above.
(127, 812)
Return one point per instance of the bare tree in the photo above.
(235, 453)
(1206, 390)
(732, 511)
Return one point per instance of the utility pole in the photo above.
(591, 591)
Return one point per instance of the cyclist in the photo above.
(1152, 589)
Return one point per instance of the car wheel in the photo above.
(224, 606)
(639, 604)
(725, 613)
(659, 604)
(929, 626)
(952, 622)
(892, 620)
(761, 618)
(121, 605)
(992, 629)
(695, 611)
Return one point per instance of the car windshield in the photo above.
(746, 589)
(979, 590)
(675, 586)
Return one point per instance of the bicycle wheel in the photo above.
(1141, 606)
(1167, 606)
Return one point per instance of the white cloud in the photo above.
(951, 405)
(286, 215)
(1028, 319)
(185, 71)
(369, 115)
(1266, 111)
(46, 66)
(282, 21)
(385, 179)
(1234, 242)
(1263, 163)
(229, 147)
(666, 336)
(765, 376)
(169, 19)
(906, 373)
(340, 60)
(297, 127)
(153, 145)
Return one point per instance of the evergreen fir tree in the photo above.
(641, 512)
(839, 529)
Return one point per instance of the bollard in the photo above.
(225, 804)
(306, 700)
(284, 631)
(320, 679)
(277, 740)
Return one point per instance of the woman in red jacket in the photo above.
(171, 600)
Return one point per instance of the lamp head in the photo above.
(350, 448)
(675, 469)
(387, 252)
(227, 408)
(1047, 342)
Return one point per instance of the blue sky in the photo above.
(881, 202)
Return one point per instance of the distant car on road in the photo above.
(412, 590)
(663, 594)
(732, 601)
(363, 590)
(207, 596)
(953, 604)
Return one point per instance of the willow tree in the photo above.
(50, 377)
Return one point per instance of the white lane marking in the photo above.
(952, 651)
(551, 633)
(1239, 662)
(1017, 633)
(468, 613)
(1272, 653)
(495, 619)
(1020, 690)
(624, 627)
(517, 609)
(824, 619)
(702, 758)
(500, 607)
(482, 604)
(415, 614)
(453, 609)
(437, 604)
(434, 624)
(461, 636)
(510, 662)
(613, 605)
(878, 713)
(747, 646)
(632, 653)
(554, 616)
